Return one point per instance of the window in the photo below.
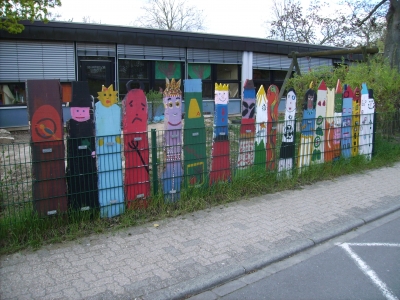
(268, 77)
(151, 73)
(12, 93)
(216, 73)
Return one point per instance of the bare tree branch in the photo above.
(171, 15)
(371, 12)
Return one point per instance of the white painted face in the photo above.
(221, 97)
(291, 102)
(371, 104)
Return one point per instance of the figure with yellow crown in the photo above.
(220, 162)
(172, 175)
(108, 151)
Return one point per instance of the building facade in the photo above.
(104, 55)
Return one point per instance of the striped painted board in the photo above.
(319, 133)
(329, 125)
(220, 160)
(355, 128)
(247, 127)
(194, 136)
(272, 125)
(347, 115)
(108, 151)
(136, 148)
(82, 177)
(366, 122)
(337, 121)
(307, 129)
(260, 157)
(287, 150)
(172, 174)
(49, 190)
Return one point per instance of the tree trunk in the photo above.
(392, 41)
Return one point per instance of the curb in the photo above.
(202, 283)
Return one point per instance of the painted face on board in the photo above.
(80, 114)
(107, 96)
(221, 97)
(291, 101)
(135, 118)
(371, 103)
(173, 111)
(310, 100)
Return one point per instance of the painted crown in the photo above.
(221, 87)
(172, 88)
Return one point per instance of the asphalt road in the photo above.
(363, 264)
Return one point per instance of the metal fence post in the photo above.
(154, 159)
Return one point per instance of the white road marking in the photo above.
(374, 244)
(367, 270)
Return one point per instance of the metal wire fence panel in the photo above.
(138, 172)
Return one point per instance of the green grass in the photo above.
(23, 229)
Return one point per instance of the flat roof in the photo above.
(100, 33)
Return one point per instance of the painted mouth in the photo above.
(136, 119)
(176, 124)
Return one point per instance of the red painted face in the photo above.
(80, 114)
(135, 111)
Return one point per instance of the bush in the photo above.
(376, 73)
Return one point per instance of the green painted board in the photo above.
(194, 136)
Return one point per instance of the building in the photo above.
(103, 54)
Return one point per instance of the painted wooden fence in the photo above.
(94, 171)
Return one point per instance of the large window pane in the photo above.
(279, 75)
(261, 74)
(226, 72)
(199, 71)
(207, 88)
(168, 69)
(133, 69)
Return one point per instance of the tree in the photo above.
(171, 15)
(392, 40)
(13, 11)
(358, 23)
(293, 23)
(88, 19)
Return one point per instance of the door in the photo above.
(97, 73)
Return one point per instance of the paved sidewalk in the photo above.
(192, 253)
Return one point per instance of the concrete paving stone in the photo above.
(115, 289)
(127, 271)
(122, 279)
(71, 293)
(85, 261)
(162, 274)
(54, 289)
(87, 276)
(172, 250)
(219, 258)
(93, 291)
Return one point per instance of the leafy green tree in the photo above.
(13, 11)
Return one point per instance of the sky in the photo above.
(227, 17)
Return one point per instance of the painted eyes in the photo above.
(170, 104)
(177, 103)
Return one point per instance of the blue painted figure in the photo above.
(108, 151)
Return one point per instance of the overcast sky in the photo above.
(238, 18)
